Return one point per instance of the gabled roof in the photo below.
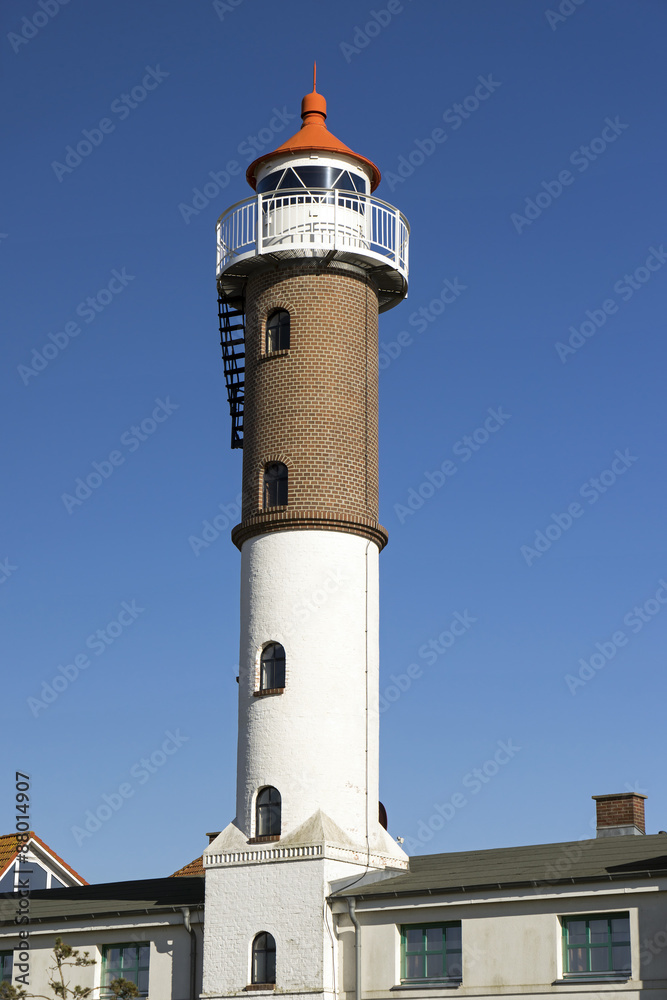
(110, 898)
(602, 859)
(195, 867)
(9, 849)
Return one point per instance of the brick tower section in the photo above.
(313, 407)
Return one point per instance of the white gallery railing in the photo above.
(313, 219)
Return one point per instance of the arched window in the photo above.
(277, 331)
(275, 485)
(272, 667)
(263, 959)
(267, 812)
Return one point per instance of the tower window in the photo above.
(272, 667)
(264, 959)
(275, 485)
(277, 331)
(267, 812)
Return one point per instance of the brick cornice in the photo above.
(304, 520)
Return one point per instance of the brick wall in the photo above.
(315, 406)
(624, 809)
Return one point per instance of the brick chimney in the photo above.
(619, 815)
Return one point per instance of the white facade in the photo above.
(170, 949)
(512, 941)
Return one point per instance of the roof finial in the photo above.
(314, 106)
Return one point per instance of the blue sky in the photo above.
(542, 204)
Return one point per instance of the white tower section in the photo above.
(316, 592)
(304, 267)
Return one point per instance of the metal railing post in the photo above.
(398, 237)
(335, 243)
(259, 234)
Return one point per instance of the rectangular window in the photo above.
(6, 966)
(125, 961)
(431, 953)
(597, 945)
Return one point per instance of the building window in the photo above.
(275, 485)
(264, 959)
(272, 667)
(6, 966)
(596, 945)
(267, 812)
(277, 331)
(431, 952)
(125, 961)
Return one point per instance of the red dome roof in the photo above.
(312, 137)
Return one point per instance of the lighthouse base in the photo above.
(282, 889)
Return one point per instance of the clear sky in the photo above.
(527, 150)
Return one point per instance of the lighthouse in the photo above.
(304, 267)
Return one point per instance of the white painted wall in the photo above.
(316, 592)
(511, 946)
(285, 898)
(169, 950)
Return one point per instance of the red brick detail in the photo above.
(314, 407)
(624, 809)
(286, 519)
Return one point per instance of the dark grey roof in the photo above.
(542, 864)
(108, 898)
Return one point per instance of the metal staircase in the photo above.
(232, 341)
